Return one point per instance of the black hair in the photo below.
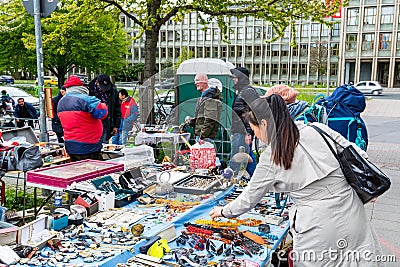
(4, 92)
(283, 134)
(123, 92)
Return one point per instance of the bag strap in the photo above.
(324, 135)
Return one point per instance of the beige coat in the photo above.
(328, 220)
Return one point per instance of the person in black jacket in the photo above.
(241, 133)
(55, 121)
(102, 88)
(24, 110)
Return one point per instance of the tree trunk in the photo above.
(147, 91)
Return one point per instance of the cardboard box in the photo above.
(106, 200)
(35, 233)
(8, 233)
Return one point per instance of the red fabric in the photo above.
(126, 107)
(73, 81)
(81, 126)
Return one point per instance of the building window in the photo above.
(303, 50)
(336, 30)
(223, 52)
(257, 32)
(351, 42)
(295, 51)
(275, 69)
(163, 52)
(215, 34)
(170, 52)
(275, 50)
(208, 52)
(368, 40)
(257, 69)
(398, 41)
(325, 30)
(192, 35)
(215, 52)
(239, 51)
(268, 50)
(199, 51)
(303, 69)
(370, 15)
(286, 33)
(193, 18)
(232, 52)
(315, 30)
(387, 15)
(177, 36)
(284, 69)
(184, 35)
(170, 36)
(186, 19)
(385, 41)
(200, 34)
(177, 52)
(240, 33)
(294, 69)
(257, 51)
(208, 35)
(163, 37)
(334, 49)
(249, 33)
(352, 16)
(249, 67)
(232, 34)
(305, 28)
(285, 50)
(248, 50)
(334, 69)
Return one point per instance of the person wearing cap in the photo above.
(296, 107)
(81, 118)
(55, 121)
(102, 88)
(208, 110)
(241, 133)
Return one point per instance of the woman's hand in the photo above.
(216, 212)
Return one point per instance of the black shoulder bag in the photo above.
(363, 176)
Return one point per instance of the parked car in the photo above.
(5, 79)
(49, 81)
(16, 93)
(369, 87)
(83, 77)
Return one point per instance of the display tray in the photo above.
(196, 184)
(63, 175)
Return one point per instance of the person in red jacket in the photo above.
(130, 114)
(80, 116)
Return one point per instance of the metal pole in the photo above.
(43, 136)
(328, 63)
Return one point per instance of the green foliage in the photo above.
(129, 73)
(184, 55)
(77, 34)
(15, 202)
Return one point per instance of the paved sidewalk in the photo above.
(384, 151)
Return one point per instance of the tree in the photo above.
(319, 58)
(14, 57)
(150, 15)
(78, 33)
(184, 55)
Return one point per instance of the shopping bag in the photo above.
(7, 161)
(202, 156)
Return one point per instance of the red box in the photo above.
(61, 176)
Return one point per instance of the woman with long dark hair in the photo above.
(327, 215)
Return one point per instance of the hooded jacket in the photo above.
(80, 116)
(244, 96)
(208, 112)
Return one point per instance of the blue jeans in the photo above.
(116, 139)
(237, 141)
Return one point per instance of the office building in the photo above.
(359, 47)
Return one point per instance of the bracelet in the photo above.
(222, 213)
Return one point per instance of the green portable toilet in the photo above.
(186, 94)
